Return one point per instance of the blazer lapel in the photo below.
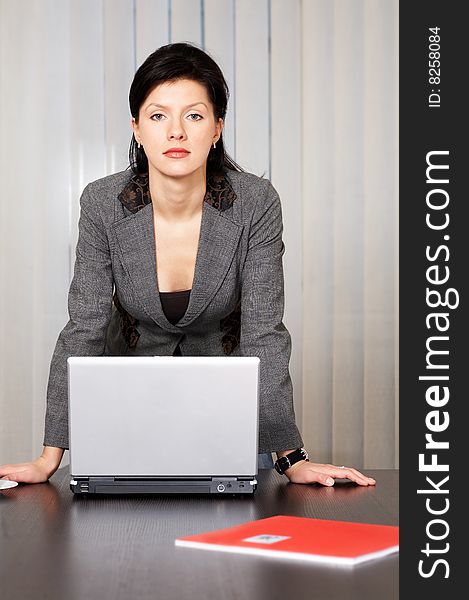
(218, 241)
(136, 239)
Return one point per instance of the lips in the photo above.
(177, 153)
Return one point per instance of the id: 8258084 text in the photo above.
(434, 67)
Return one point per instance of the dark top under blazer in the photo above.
(238, 279)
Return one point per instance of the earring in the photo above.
(138, 145)
(214, 144)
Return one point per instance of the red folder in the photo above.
(318, 540)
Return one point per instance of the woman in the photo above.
(193, 246)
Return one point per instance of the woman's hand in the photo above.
(36, 471)
(308, 472)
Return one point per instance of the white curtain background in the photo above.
(314, 107)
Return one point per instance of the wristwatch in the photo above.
(285, 462)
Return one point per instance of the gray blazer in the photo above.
(236, 304)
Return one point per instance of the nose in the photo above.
(176, 130)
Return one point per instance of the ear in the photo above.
(218, 128)
(135, 130)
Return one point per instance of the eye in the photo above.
(155, 116)
(195, 115)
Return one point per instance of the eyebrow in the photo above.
(164, 107)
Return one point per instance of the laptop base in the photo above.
(123, 485)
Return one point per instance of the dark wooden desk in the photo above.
(55, 546)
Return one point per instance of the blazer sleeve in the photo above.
(89, 308)
(263, 333)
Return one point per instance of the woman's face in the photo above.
(177, 114)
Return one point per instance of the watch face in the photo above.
(281, 465)
(285, 462)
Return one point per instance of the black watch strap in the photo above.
(285, 462)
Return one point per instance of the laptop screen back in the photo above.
(163, 416)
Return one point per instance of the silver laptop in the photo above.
(163, 424)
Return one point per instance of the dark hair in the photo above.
(170, 63)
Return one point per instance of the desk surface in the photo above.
(56, 546)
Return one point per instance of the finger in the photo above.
(4, 469)
(353, 475)
(363, 477)
(312, 476)
(19, 477)
(324, 479)
(346, 473)
(359, 474)
(17, 474)
(306, 473)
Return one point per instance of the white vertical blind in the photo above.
(87, 138)
(34, 223)
(119, 68)
(151, 27)
(252, 91)
(318, 188)
(186, 21)
(380, 225)
(348, 235)
(219, 43)
(313, 106)
(286, 135)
